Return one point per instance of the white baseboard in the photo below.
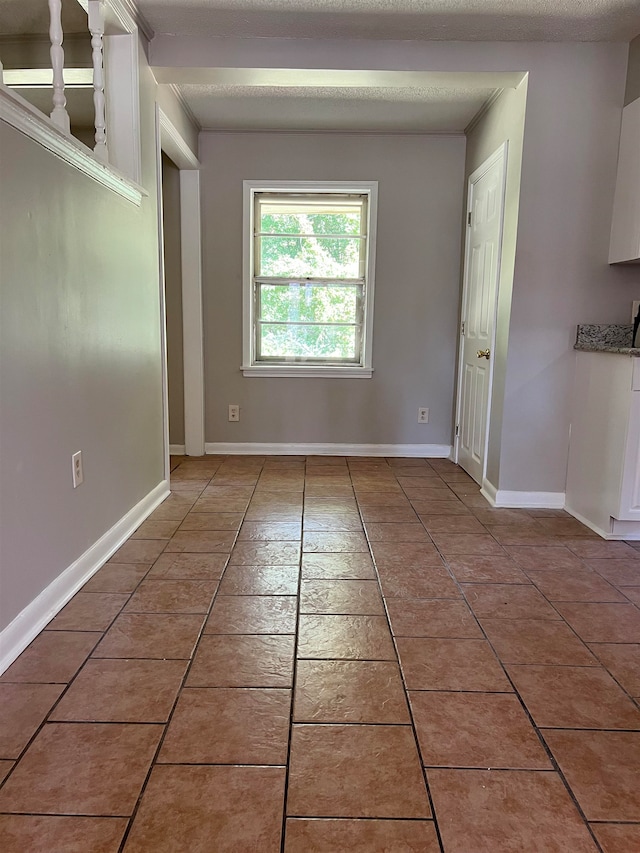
(604, 533)
(30, 621)
(176, 450)
(619, 531)
(431, 451)
(489, 492)
(522, 500)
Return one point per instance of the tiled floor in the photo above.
(327, 655)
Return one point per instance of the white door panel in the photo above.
(482, 268)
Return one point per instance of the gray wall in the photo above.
(80, 359)
(503, 122)
(173, 297)
(633, 72)
(416, 289)
(574, 102)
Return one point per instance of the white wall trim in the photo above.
(431, 451)
(484, 109)
(523, 500)
(174, 145)
(442, 134)
(185, 106)
(176, 450)
(604, 533)
(177, 148)
(628, 531)
(489, 491)
(25, 118)
(305, 371)
(192, 311)
(162, 297)
(130, 17)
(30, 621)
(122, 83)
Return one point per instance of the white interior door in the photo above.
(482, 269)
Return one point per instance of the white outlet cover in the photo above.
(77, 472)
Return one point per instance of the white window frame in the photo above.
(250, 367)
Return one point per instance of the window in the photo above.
(309, 262)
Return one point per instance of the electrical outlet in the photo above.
(423, 416)
(234, 412)
(76, 469)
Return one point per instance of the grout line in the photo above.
(406, 698)
(551, 757)
(554, 763)
(154, 761)
(361, 818)
(294, 680)
(68, 683)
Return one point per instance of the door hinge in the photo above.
(462, 328)
(457, 430)
(469, 217)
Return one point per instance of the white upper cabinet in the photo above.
(625, 228)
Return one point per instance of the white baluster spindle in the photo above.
(59, 114)
(96, 27)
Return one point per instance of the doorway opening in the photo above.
(180, 260)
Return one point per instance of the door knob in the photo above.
(484, 353)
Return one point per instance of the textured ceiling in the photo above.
(416, 110)
(466, 20)
(31, 17)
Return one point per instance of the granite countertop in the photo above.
(606, 337)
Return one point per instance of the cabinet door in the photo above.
(625, 228)
(630, 491)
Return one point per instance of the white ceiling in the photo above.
(464, 20)
(399, 110)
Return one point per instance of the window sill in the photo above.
(24, 117)
(290, 371)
